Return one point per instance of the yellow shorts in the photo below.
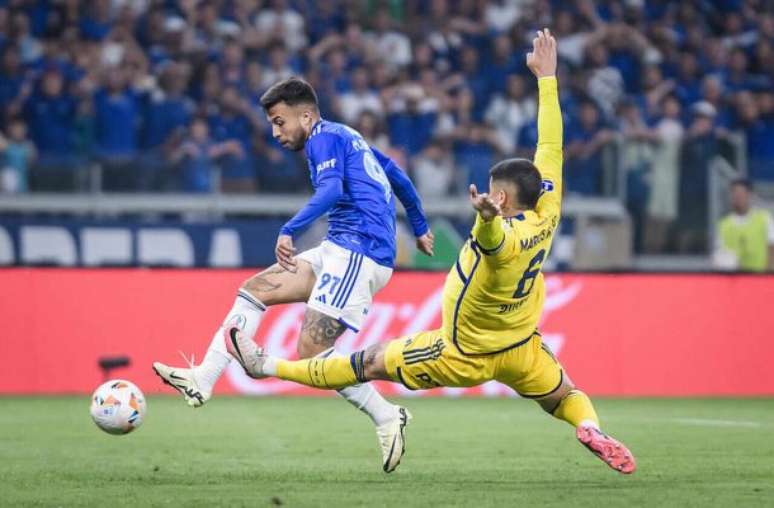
(427, 360)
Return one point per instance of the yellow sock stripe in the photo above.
(316, 369)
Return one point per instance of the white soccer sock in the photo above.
(247, 312)
(366, 398)
(589, 423)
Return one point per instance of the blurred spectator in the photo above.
(759, 136)
(12, 76)
(232, 67)
(745, 237)
(605, 83)
(282, 23)
(50, 114)
(475, 149)
(509, 112)
(502, 63)
(279, 66)
(637, 158)
(168, 108)
(475, 80)
(585, 142)
(117, 119)
(712, 92)
(370, 127)
(17, 154)
(699, 148)
(30, 48)
(235, 121)
(500, 15)
(411, 117)
(688, 85)
(654, 88)
(360, 98)
(434, 171)
(664, 176)
(390, 45)
(197, 157)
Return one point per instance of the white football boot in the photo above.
(392, 439)
(244, 349)
(184, 381)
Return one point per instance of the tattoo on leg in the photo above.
(261, 282)
(322, 330)
(370, 358)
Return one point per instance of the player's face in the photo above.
(740, 199)
(290, 125)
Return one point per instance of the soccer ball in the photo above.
(118, 407)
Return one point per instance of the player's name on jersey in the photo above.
(543, 235)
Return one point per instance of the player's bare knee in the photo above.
(552, 401)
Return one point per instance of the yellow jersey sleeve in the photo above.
(493, 240)
(548, 156)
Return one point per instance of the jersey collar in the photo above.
(316, 127)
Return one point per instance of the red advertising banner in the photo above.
(667, 335)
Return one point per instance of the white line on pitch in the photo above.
(707, 422)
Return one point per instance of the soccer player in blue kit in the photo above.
(355, 185)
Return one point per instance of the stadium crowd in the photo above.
(163, 94)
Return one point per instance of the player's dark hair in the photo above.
(743, 182)
(524, 175)
(291, 91)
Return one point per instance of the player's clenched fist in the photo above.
(542, 59)
(487, 208)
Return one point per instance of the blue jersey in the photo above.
(356, 185)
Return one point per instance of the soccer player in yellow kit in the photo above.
(492, 301)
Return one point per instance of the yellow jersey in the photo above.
(493, 296)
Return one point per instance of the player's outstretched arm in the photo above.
(542, 61)
(407, 194)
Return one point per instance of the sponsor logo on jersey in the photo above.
(331, 163)
(548, 185)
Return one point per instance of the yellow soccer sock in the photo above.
(330, 373)
(576, 408)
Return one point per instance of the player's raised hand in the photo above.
(425, 243)
(542, 59)
(487, 208)
(285, 252)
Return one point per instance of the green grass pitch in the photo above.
(320, 452)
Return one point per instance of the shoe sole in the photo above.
(627, 466)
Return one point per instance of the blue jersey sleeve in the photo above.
(326, 156)
(406, 192)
